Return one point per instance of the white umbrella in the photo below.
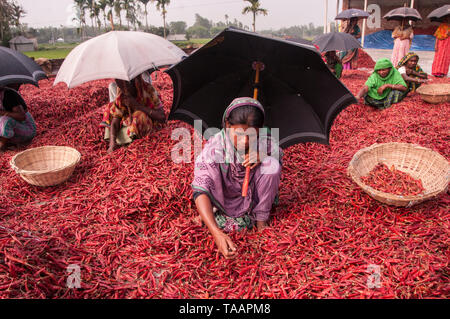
(117, 54)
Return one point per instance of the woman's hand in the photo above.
(382, 88)
(362, 93)
(224, 244)
(251, 160)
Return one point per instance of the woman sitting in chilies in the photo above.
(220, 170)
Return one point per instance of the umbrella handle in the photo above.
(258, 66)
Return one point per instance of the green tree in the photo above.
(110, 4)
(6, 12)
(161, 6)
(177, 27)
(80, 5)
(198, 31)
(202, 22)
(118, 10)
(157, 30)
(255, 9)
(131, 8)
(145, 3)
(17, 13)
(216, 29)
(102, 4)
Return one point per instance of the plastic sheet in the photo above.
(383, 40)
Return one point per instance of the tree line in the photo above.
(96, 16)
(10, 14)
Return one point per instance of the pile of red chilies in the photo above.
(365, 60)
(393, 181)
(126, 219)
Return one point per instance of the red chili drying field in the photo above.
(127, 218)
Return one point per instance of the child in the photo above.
(384, 87)
(220, 170)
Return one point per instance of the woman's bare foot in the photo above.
(261, 225)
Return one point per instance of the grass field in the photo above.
(61, 50)
(193, 42)
(50, 51)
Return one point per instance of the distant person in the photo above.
(349, 58)
(134, 111)
(441, 60)
(334, 63)
(384, 87)
(17, 126)
(411, 72)
(402, 36)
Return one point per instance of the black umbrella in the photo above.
(336, 41)
(403, 13)
(440, 13)
(301, 41)
(16, 67)
(352, 13)
(300, 95)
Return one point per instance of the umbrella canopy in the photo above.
(291, 85)
(352, 13)
(336, 41)
(301, 41)
(403, 13)
(117, 54)
(439, 14)
(16, 67)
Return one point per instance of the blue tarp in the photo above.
(383, 40)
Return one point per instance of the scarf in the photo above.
(443, 31)
(406, 58)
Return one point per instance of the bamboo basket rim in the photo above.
(393, 197)
(40, 172)
(423, 89)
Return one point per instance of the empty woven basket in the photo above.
(435, 93)
(47, 165)
(419, 162)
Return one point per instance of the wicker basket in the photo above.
(47, 165)
(419, 162)
(435, 93)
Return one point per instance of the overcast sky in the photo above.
(282, 13)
